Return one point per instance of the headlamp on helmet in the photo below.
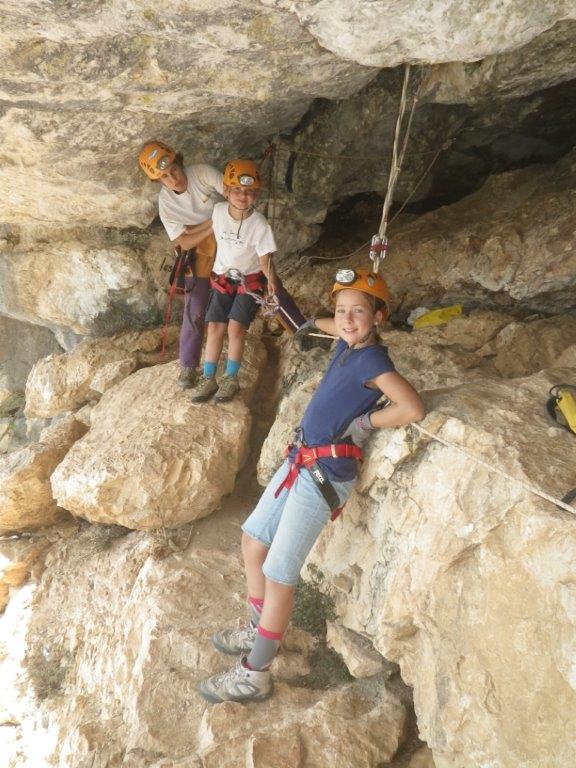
(345, 276)
(365, 281)
(155, 158)
(242, 173)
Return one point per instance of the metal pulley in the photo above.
(378, 250)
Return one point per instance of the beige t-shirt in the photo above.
(239, 244)
(195, 204)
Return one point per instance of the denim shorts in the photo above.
(290, 524)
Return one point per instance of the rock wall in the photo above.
(462, 576)
(385, 34)
(21, 345)
(88, 84)
(507, 246)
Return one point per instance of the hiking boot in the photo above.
(235, 641)
(228, 388)
(204, 389)
(237, 684)
(187, 378)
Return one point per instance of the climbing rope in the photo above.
(429, 167)
(527, 486)
(379, 242)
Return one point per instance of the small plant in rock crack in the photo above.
(48, 663)
(312, 609)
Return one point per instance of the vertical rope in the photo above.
(395, 164)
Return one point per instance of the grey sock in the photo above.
(263, 652)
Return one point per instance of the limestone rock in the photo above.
(492, 245)
(111, 373)
(21, 345)
(304, 730)
(65, 382)
(102, 79)
(135, 616)
(16, 559)
(508, 244)
(422, 759)
(93, 288)
(523, 348)
(358, 653)
(464, 577)
(333, 155)
(384, 34)
(154, 459)
(26, 500)
(23, 556)
(508, 75)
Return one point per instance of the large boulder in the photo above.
(66, 381)
(26, 500)
(114, 678)
(154, 459)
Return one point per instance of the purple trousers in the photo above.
(192, 331)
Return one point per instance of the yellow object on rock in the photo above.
(562, 406)
(438, 316)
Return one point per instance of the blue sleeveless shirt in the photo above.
(342, 395)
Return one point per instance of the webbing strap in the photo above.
(252, 282)
(307, 456)
(171, 294)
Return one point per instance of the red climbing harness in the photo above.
(307, 456)
(248, 284)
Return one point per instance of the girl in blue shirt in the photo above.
(294, 508)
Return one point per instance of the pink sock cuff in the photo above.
(256, 602)
(269, 635)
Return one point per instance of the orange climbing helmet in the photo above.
(362, 280)
(242, 173)
(155, 158)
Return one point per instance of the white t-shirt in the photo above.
(195, 204)
(239, 244)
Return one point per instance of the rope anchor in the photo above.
(378, 250)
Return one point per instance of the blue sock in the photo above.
(209, 369)
(232, 367)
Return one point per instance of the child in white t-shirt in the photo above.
(243, 265)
